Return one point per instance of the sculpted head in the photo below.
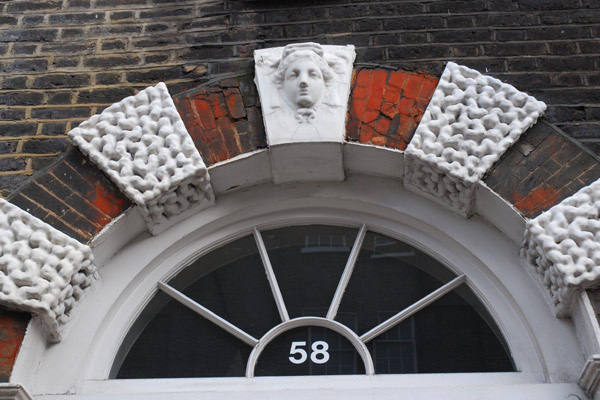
(303, 75)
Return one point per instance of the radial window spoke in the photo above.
(209, 315)
(407, 312)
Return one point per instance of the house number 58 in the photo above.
(319, 354)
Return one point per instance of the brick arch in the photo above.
(224, 120)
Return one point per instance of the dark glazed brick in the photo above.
(11, 114)
(54, 128)
(19, 82)
(28, 35)
(43, 146)
(18, 129)
(31, 20)
(111, 95)
(12, 164)
(61, 113)
(59, 98)
(107, 78)
(60, 19)
(20, 6)
(113, 44)
(111, 61)
(27, 66)
(60, 81)
(21, 98)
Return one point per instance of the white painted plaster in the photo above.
(309, 161)
(304, 90)
(563, 245)
(245, 170)
(471, 120)
(142, 145)
(13, 391)
(373, 160)
(499, 212)
(42, 270)
(495, 273)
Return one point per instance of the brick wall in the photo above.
(65, 60)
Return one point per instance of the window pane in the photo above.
(450, 335)
(178, 343)
(308, 262)
(326, 353)
(231, 281)
(389, 275)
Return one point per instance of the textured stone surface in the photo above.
(42, 270)
(141, 143)
(470, 122)
(563, 244)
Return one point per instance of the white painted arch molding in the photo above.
(142, 144)
(471, 120)
(563, 245)
(42, 270)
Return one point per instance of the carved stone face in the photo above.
(303, 83)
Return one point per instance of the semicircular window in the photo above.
(312, 300)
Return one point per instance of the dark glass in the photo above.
(231, 282)
(308, 262)
(178, 343)
(450, 335)
(389, 276)
(343, 359)
(454, 334)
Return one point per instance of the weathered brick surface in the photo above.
(542, 169)
(386, 107)
(12, 330)
(224, 121)
(73, 196)
(63, 61)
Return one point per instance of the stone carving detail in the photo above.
(563, 244)
(304, 91)
(141, 143)
(42, 270)
(471, 121)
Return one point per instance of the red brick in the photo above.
(363, 78)
(357, 108)
(389, 110)
(106, 201)
(367, 133)
(360, 92)
(383, 125)
(391, 95)
(204, 113)
(408, 106)
(376, 89)
(352, 127)
(413, 86)
(379, 140)
(398, 79)
(428, 87)
(370, 116)
(219, 108)
(235, 104)
(534, 201)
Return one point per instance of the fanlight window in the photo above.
(312, 300)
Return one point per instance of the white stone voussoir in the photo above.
(563, 245)
(42, 270)
(142, 144)
(471, 121)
